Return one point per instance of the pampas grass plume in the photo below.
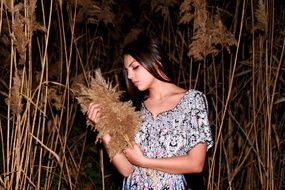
(118, 119)
(261, 16)
(15, 101)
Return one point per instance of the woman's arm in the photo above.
(122, 164)
(119, 160)
(193, 162)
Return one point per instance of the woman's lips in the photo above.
(135, 83)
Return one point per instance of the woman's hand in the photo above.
(93, 113)
(135, 155)
(119, 160)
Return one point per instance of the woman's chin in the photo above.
(140, 88)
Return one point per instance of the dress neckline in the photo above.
(166, 111)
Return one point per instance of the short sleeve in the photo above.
(196, 121)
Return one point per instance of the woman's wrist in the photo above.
(145, 162)
(106, 139)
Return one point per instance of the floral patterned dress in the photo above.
(171, 133)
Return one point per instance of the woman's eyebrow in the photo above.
(131, 63)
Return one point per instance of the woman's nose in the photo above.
(130, 75)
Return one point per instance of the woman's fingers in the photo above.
(92, 107)
(93, 113)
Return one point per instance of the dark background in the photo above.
(230, 50)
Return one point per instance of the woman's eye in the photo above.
(135, 67)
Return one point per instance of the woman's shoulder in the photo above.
(194, 93)
(196, 98)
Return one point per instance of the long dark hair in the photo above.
(150, 54)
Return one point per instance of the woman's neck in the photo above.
(162, 90)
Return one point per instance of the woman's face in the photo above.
(138, 75)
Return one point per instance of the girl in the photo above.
(174, 135)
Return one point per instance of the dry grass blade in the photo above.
(2, 184)
(119, 119)
(127, 139)
(47, 148)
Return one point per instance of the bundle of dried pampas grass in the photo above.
(118, 119)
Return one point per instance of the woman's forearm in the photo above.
(193, 162)
(122, 164)
(119, 160)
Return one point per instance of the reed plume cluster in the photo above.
(15, 100)
(209, 31)
(261, 17)
(118, 119)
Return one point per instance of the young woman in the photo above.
(173, 137)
